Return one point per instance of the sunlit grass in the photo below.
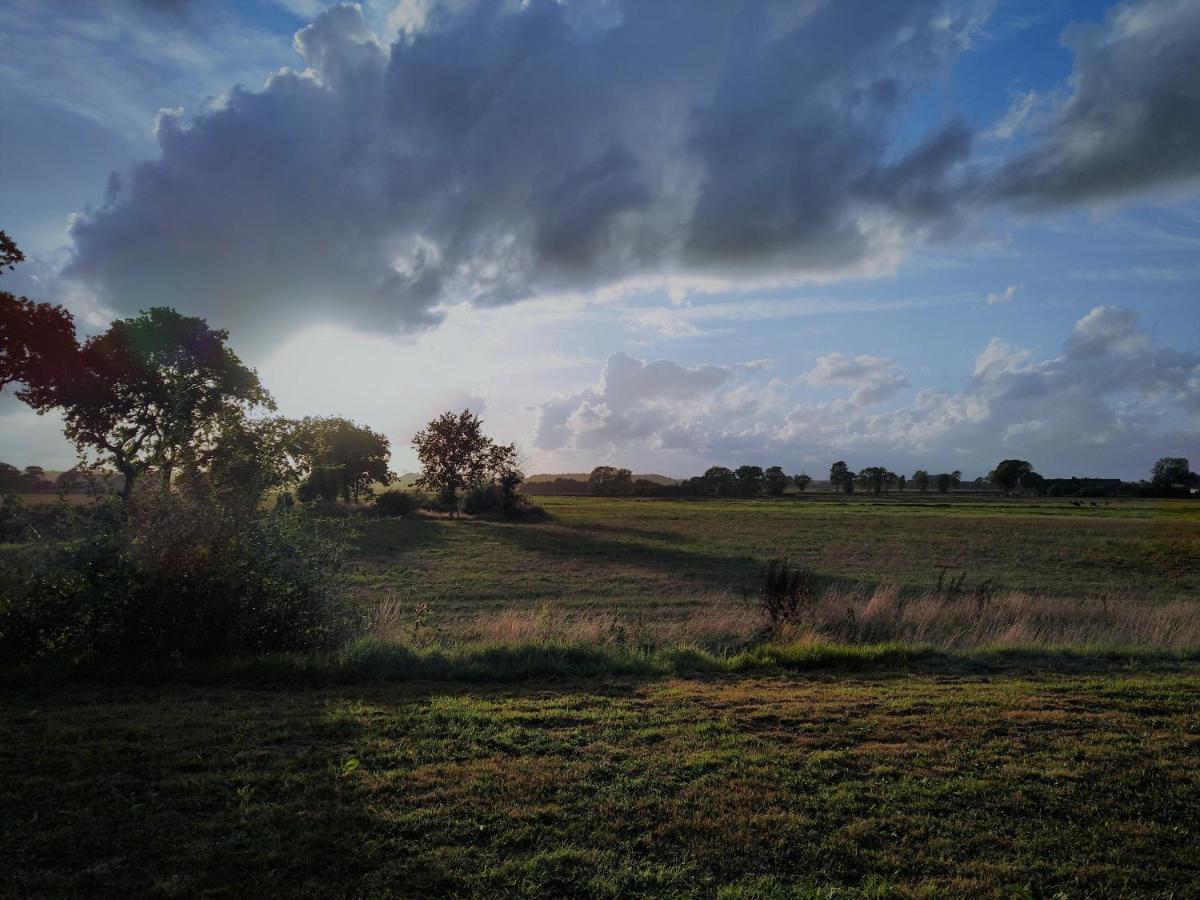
(949, 782)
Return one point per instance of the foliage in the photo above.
(150, 392)
(10, 253)
(750, 480)
(875, 478)
(802, 480)
(1173, 472)
(190, 574)
(37, 340)
(28, 481)
(609, 481)
(455, 455)
(841, 477)
(396, 503)
(775, 482)
(719, 481)
(339, 458)
(1009, 474)
(920, 480)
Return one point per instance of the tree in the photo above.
(901, 481)
(802, 481)
(841, 477)
(750, 480)
(719, 481)
(37, 340)
(1009, 473)
(506, 473)
(609, 481)
(921, 480)
(774, 481)
(944, 482)
(454, 454)
(875, 478)
(149, 393)
(340, 458)
(1172, 471)
(10, 476)
(956, 479)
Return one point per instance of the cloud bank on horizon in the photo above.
(424, 155)
(1101, 400)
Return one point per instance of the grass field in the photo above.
(1001, 784)
(666, 557)
(501, 753)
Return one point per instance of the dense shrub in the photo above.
(395, 503)
(185, 576)
(482, 500)
(493, 499)
(20, 521)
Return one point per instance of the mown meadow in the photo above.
(664, 556)
(987, 698)
(1001, 783)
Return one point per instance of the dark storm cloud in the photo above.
(1132, 118)
(506, 150)
(509, 150)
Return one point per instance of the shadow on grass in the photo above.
(580, 543)
(392, 539)
(548, 662)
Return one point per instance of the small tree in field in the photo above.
(453, 451)
(920, 480)
(456, 456)
(802, 480)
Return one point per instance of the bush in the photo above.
(493, 499)
(184, 577)
(396, 503)
(482, 500)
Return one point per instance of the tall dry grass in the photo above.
(854, 615)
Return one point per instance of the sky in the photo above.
(659, 235)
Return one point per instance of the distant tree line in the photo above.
(1170, 477)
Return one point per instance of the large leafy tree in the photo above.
(341, 458)
(150, 393)
(1009, 474)
(610, 481)
(775, 481)
(1171, 471)
(841, 476)
(920, 480)
(750, 480)
(876, 478)
(719, 481)
(803, 480)
(37, 340)
(455, 455)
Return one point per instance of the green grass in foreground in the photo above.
(666, 558)
(765, 786)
